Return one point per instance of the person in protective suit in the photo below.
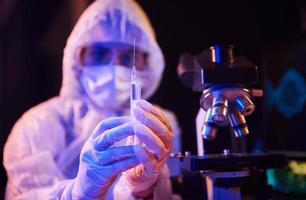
(82, 144)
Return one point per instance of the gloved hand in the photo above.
(152, 146)
(100, 162)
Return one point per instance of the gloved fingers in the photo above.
(152, 122)
(104, 174)
(130, 140)
(110, 136)
(114, 154)
(148, 159)
(122, 165)
(109, 123)
(154, 110)
(151, 140)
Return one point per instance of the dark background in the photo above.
(33, 34)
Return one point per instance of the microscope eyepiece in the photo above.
(222, 54)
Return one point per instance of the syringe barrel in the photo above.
(135, 91)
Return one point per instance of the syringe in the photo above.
(135, 95)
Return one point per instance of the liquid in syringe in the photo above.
(135, 86)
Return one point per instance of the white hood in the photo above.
(105, 21)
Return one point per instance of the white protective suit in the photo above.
(41, 155)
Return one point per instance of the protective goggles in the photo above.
(113, 53)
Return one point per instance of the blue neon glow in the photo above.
(217, 54)
(289, 96)
(239, 103)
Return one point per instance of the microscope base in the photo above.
(224, 185)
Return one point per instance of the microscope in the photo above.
(225, 82)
